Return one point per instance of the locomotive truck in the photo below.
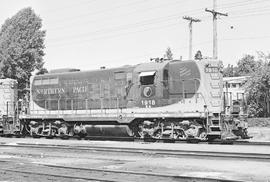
(162, 99)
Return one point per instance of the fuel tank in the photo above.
(108, 130)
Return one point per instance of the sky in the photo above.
(88, 34)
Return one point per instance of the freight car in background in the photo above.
(8, 107)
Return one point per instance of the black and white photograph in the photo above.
(134, 91)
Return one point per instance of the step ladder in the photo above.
(214, 124)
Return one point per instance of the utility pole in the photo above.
(215, 14)
(191, 20)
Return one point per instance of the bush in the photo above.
(259, 122)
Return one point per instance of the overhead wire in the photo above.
(196, 10)
(143, 23)
(127, 26)
(100, 11)
(134, 11)
(160, 6)
(241, 3)
(70, 6)
(89, 39)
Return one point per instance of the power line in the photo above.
(114, 35)
(83, 38)
(247, 38)
(123, 27)
(252, 10)
(241, 4)
(101, 11)
(126, 26)
(135, 11)
(118, 35)
(148, 9)
(71, 6)
(115, 29)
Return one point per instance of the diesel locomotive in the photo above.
(162, 99)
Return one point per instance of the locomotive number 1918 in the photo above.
(148, 103)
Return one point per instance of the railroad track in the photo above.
(242, 142)
(104, 175)
(151, 140)
(68, 173)
(144, 151)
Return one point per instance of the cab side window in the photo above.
(147, 78)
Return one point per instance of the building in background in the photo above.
(234, 87)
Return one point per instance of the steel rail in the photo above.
(143, 151)
(151, 140)
(102, 171)
(259, 143)
(58, 175)
(143, 173)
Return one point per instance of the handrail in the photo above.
(114, 102)
(89, 111)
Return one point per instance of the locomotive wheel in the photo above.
(203, 135)
(64, 137)
(157, 134)
(82, 135)
(181, 134)
(36, 136)
(49, 137)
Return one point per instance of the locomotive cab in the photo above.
(152, 78)
(184, 79)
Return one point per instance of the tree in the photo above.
(258, 89)
(168, 55)
(263, 58)
(230, 71)
(198, 55)
(21, 46)
(42, 71)
(247, 65)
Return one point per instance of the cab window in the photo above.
(147, 78)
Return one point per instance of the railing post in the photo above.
(117, 105)
(50, 129)
(71, 105)
(230, 99)
(183, 90)
(7, 110)
(195, 89)
(58, 106)
(45, 106)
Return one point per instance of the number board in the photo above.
(211, 69)
(148, 103)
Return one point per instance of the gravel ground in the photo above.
(259, 133)
(35, 159)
